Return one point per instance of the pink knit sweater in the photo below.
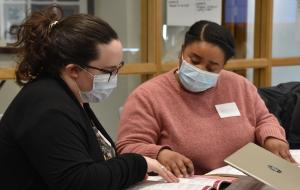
(161, 113)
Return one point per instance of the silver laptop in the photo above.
(266, 167)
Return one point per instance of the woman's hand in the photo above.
(279, 148)
(155, 166)
(180, 165)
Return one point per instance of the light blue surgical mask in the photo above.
(195, 79)
(102, 88)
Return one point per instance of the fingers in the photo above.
(189, 165)
(167, 175)
(175, 169)
(285, 154)
(155, 166)
(180, 165)
(279, 148)
(168, 168)
(186, 167)
(182, 168)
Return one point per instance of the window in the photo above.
(14, 11)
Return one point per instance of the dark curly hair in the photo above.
(47, 42)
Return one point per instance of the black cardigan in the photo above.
(47, 142)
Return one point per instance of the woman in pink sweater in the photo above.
(193, 117)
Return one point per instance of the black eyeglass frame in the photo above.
(111, 73)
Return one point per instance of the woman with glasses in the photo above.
(49, 136)
(194, 116)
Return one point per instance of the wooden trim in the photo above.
(257, 40)
(266, 74)
(144, 36)
(144, 30)
(158, 37)
(168, 66)
(8, 50)
(234, 64)
(133, 68)
(139, 68)
(267, 28)
(154, 37)
(7, 73)
(91, 7)
(257, 29)
(263, 41)
(151, 32)
(288, 61)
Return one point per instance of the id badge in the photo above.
(228, 110)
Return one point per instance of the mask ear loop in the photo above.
(182, 60)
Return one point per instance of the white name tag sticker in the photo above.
(228, 110)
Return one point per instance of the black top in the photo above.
(283, 101)
(47, 142)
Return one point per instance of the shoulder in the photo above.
(157, 85)
(231, 75)
(43, 86)
(154, 91)
(236, 85)
(43, 94)
(233, 79)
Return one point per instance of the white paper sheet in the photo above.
(186, 12)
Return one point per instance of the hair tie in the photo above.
(53, 24)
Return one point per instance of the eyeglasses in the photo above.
(112, 73)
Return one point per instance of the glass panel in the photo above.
(13, 15)
(108, 111)
(125, 17)
(285, 74)
(7, 92)
(238, 17)
(286, 28)
(68, 9)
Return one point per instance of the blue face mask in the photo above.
(194, 79)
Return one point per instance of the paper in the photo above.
(187, 12)
(226, 171)
(193, 183)
(296, 155)
(228, 110)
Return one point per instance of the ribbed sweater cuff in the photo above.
(153, 152)
(271, 131)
